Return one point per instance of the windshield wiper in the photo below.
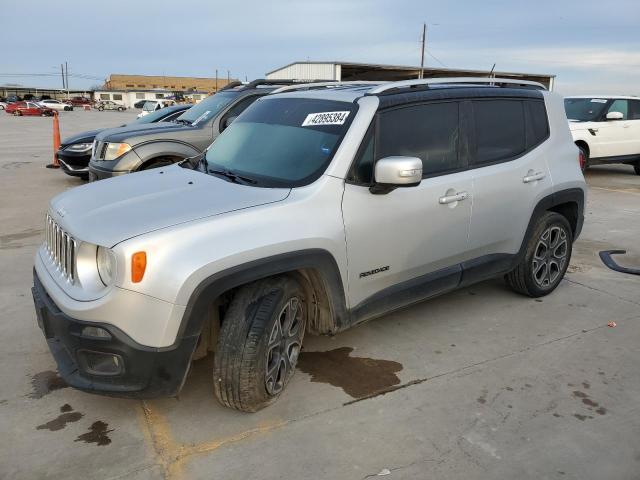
(234, 177)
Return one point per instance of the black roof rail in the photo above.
(230, 85)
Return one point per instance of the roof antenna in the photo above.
(491, 75)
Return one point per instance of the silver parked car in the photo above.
(320, 207)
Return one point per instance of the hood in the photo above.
(110, 211)
(84, 137)
(138, 131)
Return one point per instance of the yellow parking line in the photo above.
(173, 454)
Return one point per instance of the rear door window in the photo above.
(430, 132)
(499, 130)
(634, 109)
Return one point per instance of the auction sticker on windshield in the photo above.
(598, 100)
(325, 118)
(201, 117)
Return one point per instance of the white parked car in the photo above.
(55, 105)
(153, 105)
(605, 128)
(3, 105)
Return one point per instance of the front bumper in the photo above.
(97, 173)
(146, 372)
(74, 163)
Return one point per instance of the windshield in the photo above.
(585, 109)
(149, 106)
(282, 142)
(208, 108)
(154, 116)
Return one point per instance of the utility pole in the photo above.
(216, 79)
(62, 73)
(66, 69)
(424, 40)
(228, 76)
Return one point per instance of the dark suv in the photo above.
(75, 151)
(120, 151)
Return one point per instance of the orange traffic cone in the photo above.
(56, 141)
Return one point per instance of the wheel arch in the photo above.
(584, 145)
(315, 269)
(154, 150)
(568, 203)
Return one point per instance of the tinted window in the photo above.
(237, 109)
(538, 124)
(621, 106)
(500, 130)
(429, 132)
(634, 110)
(362, 170)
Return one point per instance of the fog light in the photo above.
(97, 363)
(96, 332)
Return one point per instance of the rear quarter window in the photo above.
(537, 123)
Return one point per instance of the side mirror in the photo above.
(228, 121)
(615, 116)
(393, 172)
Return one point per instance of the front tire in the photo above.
(260, 340)
(546, 258)
(636, 168)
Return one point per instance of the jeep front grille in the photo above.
(62, 248)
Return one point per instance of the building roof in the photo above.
(445, 71)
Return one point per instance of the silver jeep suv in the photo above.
(320, 207)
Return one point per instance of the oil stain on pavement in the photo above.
(358, 377)
(97, 434)
(46, 382)
(67, 416)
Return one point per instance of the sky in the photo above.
(592, 46)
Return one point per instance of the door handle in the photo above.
(533, 178)
(458, 197)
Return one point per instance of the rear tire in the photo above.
(636, 168)
(17, 113)
(546, 258)
(260, 340)
(101, 109)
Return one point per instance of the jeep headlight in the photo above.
(116, 150)
(79, 147)
(106, 263)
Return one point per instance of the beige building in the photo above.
(175, 84)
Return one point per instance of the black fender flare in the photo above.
(574, 195)
(215, 285)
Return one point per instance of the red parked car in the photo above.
(28, 108)
(79, 101)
